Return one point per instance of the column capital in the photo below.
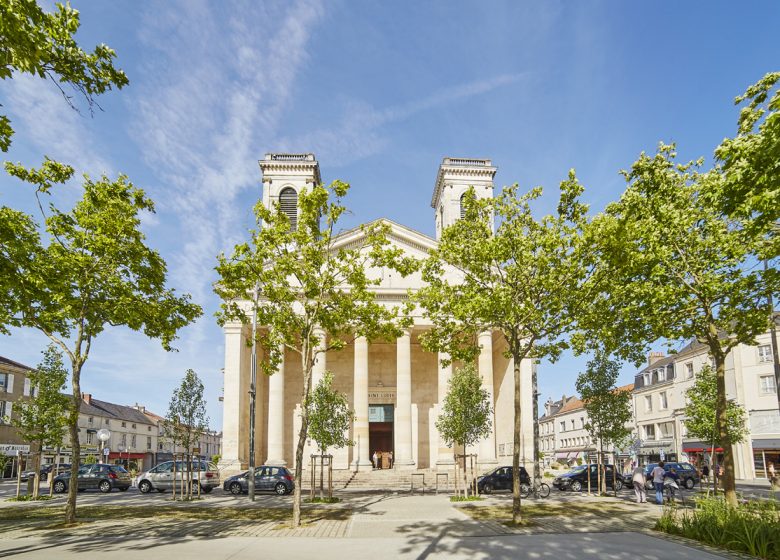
(485, 335)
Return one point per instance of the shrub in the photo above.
(555, 465)
(751, 527)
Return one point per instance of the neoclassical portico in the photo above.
(395, 387)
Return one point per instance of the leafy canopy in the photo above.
(465, 416)
(43, 418)
(700, 409)
(42, 44)
(608, 408)
(330, 416)
(186, 420)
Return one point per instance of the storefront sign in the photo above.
(13, 448)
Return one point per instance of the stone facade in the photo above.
(394, 387)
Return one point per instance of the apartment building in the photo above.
(660, 399)
(209, 444)
(14, 388)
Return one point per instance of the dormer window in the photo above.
(288, 203)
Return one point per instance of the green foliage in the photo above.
(302, 279)
(751, 163)
(30, 498)
(42, 419)
(329, 416)
(701, 410)
(609, 410)
(527, 280)
(750, 527)
(41, 44)
(469, 498)
(186, 420)
(90, 459)
(465, 416)
(216, 459)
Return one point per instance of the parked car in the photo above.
(500, 479)
(274, 479)
(95, 477)
(577, 478)
(45, 470)
(689, 476)
(161, 477)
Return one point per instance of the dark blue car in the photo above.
(267, 479)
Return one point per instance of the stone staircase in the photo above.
(393, 480)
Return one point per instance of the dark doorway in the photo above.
(380, 429)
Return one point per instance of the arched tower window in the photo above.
(288, 203)
(462, 206)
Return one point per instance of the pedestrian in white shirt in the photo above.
(638, 478)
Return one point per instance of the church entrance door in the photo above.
(380, 434)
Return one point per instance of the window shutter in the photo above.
(288, 203)
(26, 390)
(8, 407)
(10, 388)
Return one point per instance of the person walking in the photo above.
(658, 482)
(671, 481)
(705, 473)
(374, 459)
(638, 478)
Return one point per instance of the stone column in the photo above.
(235, 409)
(276, 416)
(487, 447)
(360, 432)
(403, 417)
(446, 454)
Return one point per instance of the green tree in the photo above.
(41, 44)
(301, 279)
(673, 266)
(466, 414)
(186, 420)
(95, 271)
(609, 409)
(701, 411)
(42, 420)
(88, 460)
(524, 281)
(329, 419)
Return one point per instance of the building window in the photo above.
(667, 429)
(563, 426)
(765, 353)
(90, 437)
(689, 370)
(462, 206)
(649, 432)
(767, 384)
(648, 403)
(4, 411)
(107, 422)
(149, 442)
(582, 422)
(288, 204)
(663, 402)
(148, 428)
(133, 426)
(572, 423)
(124, 440)
(661, 375)
(90, 420)
(124, 424)
(132, 441)
(646, 379)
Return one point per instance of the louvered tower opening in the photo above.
(462, 206)
(288, 203)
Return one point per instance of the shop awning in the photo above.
(766, 443)
(125, 455)
(699, 447)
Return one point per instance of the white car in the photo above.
(161, 477)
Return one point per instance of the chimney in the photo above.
(86, 397)
(653, 357)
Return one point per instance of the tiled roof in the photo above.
(7, 362)
(573, 403)
(111, 410)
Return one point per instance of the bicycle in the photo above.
(527, 490)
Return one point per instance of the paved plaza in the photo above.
(376, 526)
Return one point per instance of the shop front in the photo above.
(766, 456)
(656, 451)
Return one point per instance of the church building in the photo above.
(394, 387)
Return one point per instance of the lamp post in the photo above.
(103, 435)
(252, 398)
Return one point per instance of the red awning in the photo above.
(701, 449)
(113, 455)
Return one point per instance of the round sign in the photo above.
(103, 434)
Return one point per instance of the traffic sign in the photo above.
(106, 451)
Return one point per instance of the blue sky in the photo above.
(380, 92)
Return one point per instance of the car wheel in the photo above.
(206, 489)
(59, 487)
(689, 483)
(235, 488)
(105, 486)
(576, 486)
(280, 488)
(145, 486)
(487, 488)
(618, 485)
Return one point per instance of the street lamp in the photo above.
(252, 398)
(103, 435)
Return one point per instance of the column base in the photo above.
(405, 465)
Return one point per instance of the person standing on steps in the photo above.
(658, 483)
(638, 478)
(375, 459)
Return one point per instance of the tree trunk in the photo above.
(307, 363)
(75, 444)
(37, 480)
(537, 469)
(721, 426)
(518, 424)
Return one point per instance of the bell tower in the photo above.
(285, 176)
(454, 178)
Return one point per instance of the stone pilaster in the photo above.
(276, 416)
(360, 432)
(486, 453)
(235, 416)
(403, 417)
